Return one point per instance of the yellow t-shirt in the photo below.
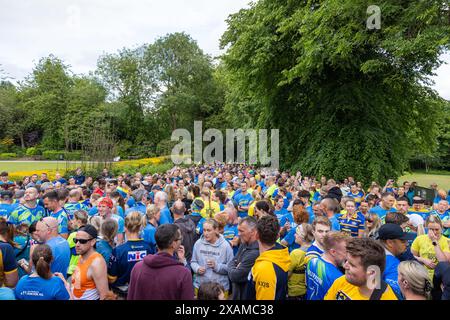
(297, 281)
(214, 206)
(251, 209)
(424, 246)
(343, 290)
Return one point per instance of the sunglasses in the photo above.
(369, 220)
(82, 241)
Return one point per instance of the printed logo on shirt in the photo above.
(342, 296)
(136, 255)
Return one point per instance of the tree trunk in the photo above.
(22, 140)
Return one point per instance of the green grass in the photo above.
(425, 179)
(12, 166)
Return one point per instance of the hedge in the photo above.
(6, 156)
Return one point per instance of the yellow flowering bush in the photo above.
(140, 162)
(19, 175)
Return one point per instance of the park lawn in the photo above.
(15, 166)
(424, 180)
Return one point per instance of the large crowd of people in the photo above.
(221, 231)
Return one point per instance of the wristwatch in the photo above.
(434, 243)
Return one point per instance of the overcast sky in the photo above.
(79, 31)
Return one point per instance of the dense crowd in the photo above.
(222, 231)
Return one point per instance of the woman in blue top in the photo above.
(150, 223)
(42, 284)
(105, 242)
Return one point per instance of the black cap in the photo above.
(90, 230)
(394, 231)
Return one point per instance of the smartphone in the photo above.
(24, 263)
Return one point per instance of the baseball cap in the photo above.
(107, 202)
(393, 231)
(90, 230)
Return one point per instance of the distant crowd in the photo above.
(222, 231)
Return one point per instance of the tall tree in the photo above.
(347, 100)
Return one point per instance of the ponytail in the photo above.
(42, 258)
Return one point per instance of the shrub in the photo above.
(53, 155)
(6, 156)
(32, 151)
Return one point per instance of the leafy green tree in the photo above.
(347, 100)
(186, 89)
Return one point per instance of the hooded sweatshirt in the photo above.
(158, 271)
(187, 228)
(268, 279)
(221, 252)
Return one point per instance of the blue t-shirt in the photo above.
(37, 288)
(381, 212)
(313, 252)
(231, 231)
(243, 200)
(93, 211)
(71, 207)
(320, 276)
(390, 274)
(104, 248)
(7, 294)
(5, 210)
(148, 234)
(290, 239)
(63, 223)
(139, 207)
(281, 213)
(165, 217)
(352, 224)
(24, 214)
(358, 197)
(61, 255)
(120, 222)
(288, 218)
(23, 242)
(124, 257)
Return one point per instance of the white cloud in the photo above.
(79, 31)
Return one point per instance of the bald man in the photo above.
(187, 228)
(47, 232)
(29, 211)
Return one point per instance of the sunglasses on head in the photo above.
(82, 241)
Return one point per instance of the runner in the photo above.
(321, 272)
(29, 211)
(240, 266)
(365, 258)
(414, 281)
(162, 270)
(124, 257)
(42, 284)
(89, 280)
(211, 256)
(321, 226)
(47, 232)
(296, 275)
(269, 276)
